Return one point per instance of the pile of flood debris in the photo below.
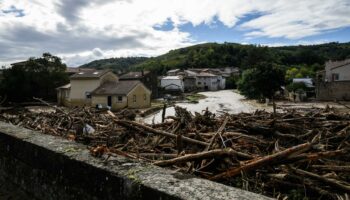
(290, 155)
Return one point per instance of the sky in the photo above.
(80, 31)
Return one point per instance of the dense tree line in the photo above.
(214, 55)
(37, 77)
(116, 64)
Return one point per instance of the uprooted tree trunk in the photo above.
(255, 163)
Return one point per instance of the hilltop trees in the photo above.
(36, 77)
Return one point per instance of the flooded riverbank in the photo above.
(216, 102)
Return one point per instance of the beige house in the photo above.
(122, 94)
(102, 87)
(333, 83)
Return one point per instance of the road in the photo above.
(217, 102)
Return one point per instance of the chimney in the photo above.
(142, 73)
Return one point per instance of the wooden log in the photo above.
(158, 155)
(200, 156)
(220, 130)
(49, 105)
(331, 182)
(281, 179)
(233, 134)
(331, 168)
(314, 156)
(256, 163)
(134, 125)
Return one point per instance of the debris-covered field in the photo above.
(293, 155)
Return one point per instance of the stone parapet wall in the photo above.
(49, 167)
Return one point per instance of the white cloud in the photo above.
(82, 30)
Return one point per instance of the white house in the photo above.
(201, 78)
(207, 81)
(172, 83)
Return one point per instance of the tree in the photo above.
(301, 72)
(293, 87)
(297, 87)
(261, 81)
(36, 77)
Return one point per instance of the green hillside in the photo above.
(243, 56)
(214, 55)
(116, 64)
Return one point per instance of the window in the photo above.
(144, 97)
(88, 95)
(335, 77)
(67, 94)
(120, 98)
(134, 98)
(199, 83)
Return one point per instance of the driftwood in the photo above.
(199, 156)
(331, 168)
(270, 159)
(221, 129)
(331, 182)
(131, 124)
(247, 150)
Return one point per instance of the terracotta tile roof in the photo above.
(133, 75)
(89, 74)
(204, 74)
(22, 63)
(77, 69)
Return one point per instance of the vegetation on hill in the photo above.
(214, 55)
(116, 64)
(305, 59)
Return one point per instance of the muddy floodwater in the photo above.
(216, 102)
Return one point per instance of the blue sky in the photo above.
(80, 31)
(220, 33)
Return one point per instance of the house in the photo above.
(333, 83)
(148, 78)
(63, 94)
(173, 72)
(201, 78)
(102, 87)
(19, 64)
(337, 71)
(301, 94)
(190, 80)
(172, 83)
(307, 81)
(122, 94)
(208, 81)
(74, 70)
(83, 83)
(230, 72)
